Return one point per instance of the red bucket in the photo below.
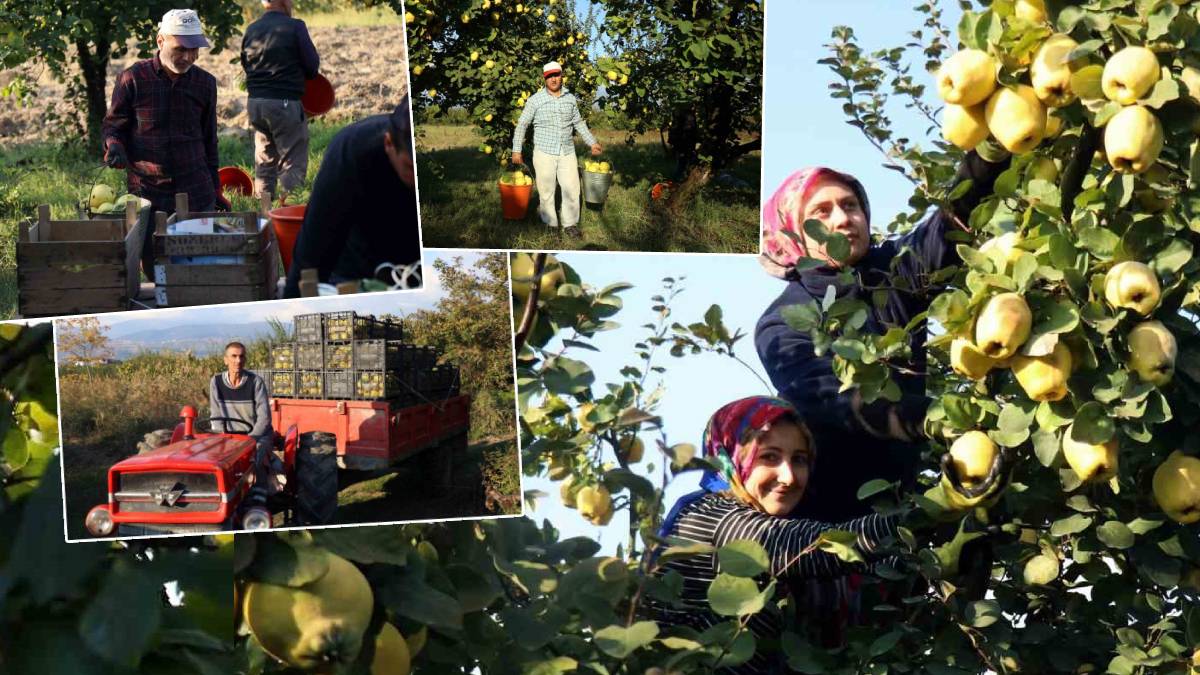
(287, 221)
(514, 200)
(318, 96)
(235, 180)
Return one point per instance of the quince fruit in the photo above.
(1092, 462)
(1152, 352)
(1016, 118)
(1129, 74)
(1044, 378)
(967, 78)
(1133, 140)
(1132, 285)
(1176, 486)
(1003, 325)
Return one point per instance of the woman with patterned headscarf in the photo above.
(877, 440)
(764, 453)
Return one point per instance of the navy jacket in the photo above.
(278, 56)
(848, 455)
(360, 214)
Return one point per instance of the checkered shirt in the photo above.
(553, 119)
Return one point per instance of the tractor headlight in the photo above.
(99, 522)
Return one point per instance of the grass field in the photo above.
(105, 411)
(63, 176)
(460, 201)
(378, 16)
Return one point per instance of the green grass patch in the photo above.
(345, 18)
(460, 201)
(63, 175)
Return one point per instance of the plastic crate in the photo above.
(310, 355)
(339, 384)
(378, 354)
(308, 328)
(283, 356)
(346, 326)
(387, 329)
(281, 383)
(310, 384)
(375, 385)
(339, 355)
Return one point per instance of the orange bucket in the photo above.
(234, 179)
(514, 200)
(287, 221)
(318, 96)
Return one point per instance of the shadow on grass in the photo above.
(460, 207)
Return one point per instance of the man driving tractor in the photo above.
(238, 394)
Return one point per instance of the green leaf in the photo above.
(737, 596)
(1099, 242)
(287, 560)
(120, 621)
(567, 376)
(1085, 82)
(1070, 525)
(1093, 424)
(1168, 261)
(619, 641)
(873, 487)
(983, 613)
(743, 558)
(1164, 91)
(840, 543)
(884, 643)
(1115, 534)
(1045, 446)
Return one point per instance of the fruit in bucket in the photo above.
(101, 194)
(596, 167)
(516, 178)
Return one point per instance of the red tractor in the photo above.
(201, 482)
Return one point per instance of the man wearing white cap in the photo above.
(554, 112)
(162, 125)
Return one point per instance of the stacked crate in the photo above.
(344, 355)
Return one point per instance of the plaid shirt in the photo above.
(553, 119)
(168, 129)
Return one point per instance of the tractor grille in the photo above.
(167, 492)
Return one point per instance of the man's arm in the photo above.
(582, 128)
(522, 126)
(808, 381)
(327, 218)
(209, 130)
(310, 60)
(262, 408)
(119, 120)
(214, 404)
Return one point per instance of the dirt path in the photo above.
(365, 64)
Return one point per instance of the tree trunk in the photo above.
(683, 194)
(94, 70)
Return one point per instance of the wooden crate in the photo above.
(212, 277)
(79, 266)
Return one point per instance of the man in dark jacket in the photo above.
(278, 56)
(880, 439)
(162, 125)
(363, 210)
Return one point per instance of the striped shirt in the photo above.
(553, 118)
(717, 520)
(248, 401)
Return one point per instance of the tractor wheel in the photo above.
(436, 468)
(154, 440)
(316, 478)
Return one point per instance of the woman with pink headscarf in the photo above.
(763, 453)
(881, 439)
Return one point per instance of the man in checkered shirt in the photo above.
(555, 115)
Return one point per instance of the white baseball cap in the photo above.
(552, 67)
(185, 25)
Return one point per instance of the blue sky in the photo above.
(802, 125)
(365, 303)
(695, 385)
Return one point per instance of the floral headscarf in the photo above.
(729, 434)
(782, 214)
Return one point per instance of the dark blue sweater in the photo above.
(847, 454)
(278, 56)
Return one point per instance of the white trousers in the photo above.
(561, 171)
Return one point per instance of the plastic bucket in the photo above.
(318, 96)
(514, 200)
(595, 186)
(287, 221)
(235, 180)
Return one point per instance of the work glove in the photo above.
(985, 493)
(223, 204)
(115, 156)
